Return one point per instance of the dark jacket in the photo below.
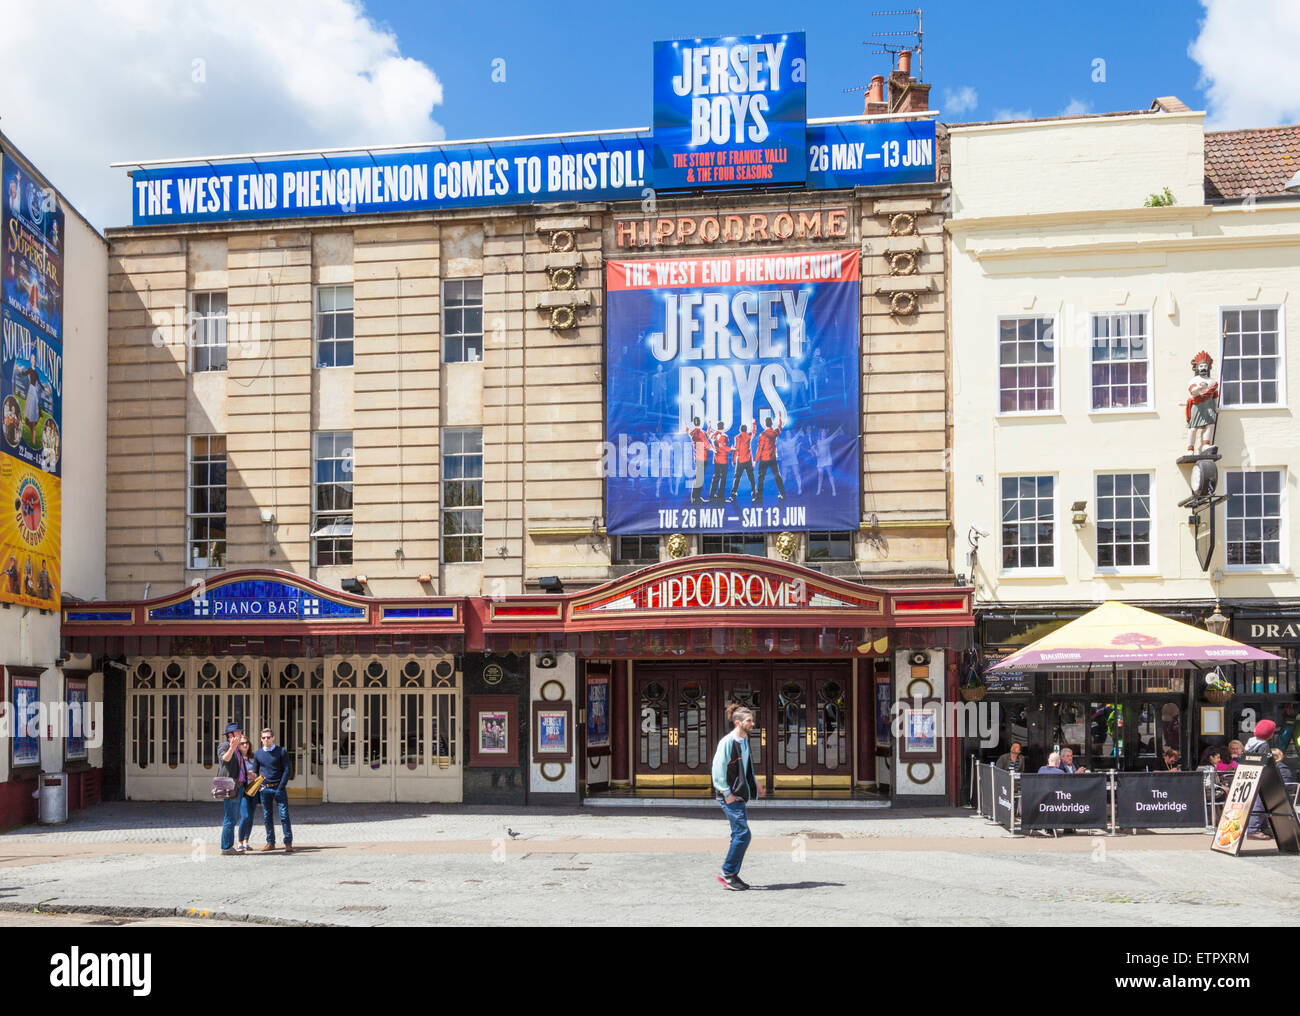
(275, 764)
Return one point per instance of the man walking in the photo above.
(274, 764)
(733, 779)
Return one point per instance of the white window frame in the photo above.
(1151, 568)
(205, 563)
(317, 313)
(462, 334)
(1054, 569)
(1150, 406)
(1056, 366)
(1283, 566)
(1281, 402)
(199, 326)
(330, 524)
(461, 509)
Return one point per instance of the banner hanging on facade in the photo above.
(30, 508)
(33, 229)
(730, 112)
(31, 393)
(732, 399)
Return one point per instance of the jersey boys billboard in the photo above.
(730, 112)
(732, 394)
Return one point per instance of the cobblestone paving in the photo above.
(358, 865)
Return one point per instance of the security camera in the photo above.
(267, 516)
(983, 534)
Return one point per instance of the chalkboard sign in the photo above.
(1257, 777)
(986, 791)
(1009, 682)
(1063, 802)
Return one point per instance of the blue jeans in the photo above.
(278, 798)
(229, 824)
(739, 820)
(247, 807)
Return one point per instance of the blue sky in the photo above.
(183, 78)
(563, 73)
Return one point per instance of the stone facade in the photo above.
(537, 393)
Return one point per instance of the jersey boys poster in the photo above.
(730, 112)
(732, 399)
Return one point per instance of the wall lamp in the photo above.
(551, 584)
(353, 585)
(1079, 514)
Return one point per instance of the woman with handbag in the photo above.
(249, 792)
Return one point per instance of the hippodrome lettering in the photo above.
(752, 227)
(725, 589)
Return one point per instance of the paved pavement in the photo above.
(390, 864)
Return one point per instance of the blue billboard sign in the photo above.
(870, 154)
(474, 175)
(732, 396)
(730, 112)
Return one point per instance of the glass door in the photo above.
(752, 688)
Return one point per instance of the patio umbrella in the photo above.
(1132, 638)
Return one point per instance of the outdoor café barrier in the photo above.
(1106, 800)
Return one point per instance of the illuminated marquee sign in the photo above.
(727, 589)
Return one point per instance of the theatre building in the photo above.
(493, 471)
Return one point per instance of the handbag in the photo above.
(255, 787)
(223, 788)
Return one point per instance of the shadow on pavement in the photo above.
(795, 885)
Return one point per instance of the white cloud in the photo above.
(1077, 107)
(154, 79)
(1013, 114)
(1247, 54)
(959, 100)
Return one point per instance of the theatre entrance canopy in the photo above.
(728, 605)
(264, 613)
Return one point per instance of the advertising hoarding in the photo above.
(730, 112)
(732, 393)
(31, 389)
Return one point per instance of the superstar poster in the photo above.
(732, 394)
(33, 226)
(30, 509)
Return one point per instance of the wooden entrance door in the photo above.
(812, 731)
(675, 739)
(750, 686)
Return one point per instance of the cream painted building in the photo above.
(1076, 313)
(30, 648)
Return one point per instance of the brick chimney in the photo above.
(906, 94)
(875, 102)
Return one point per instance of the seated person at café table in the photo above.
(1012, 761)
(1067, 762)
(1053, 767)
(1170, 760)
